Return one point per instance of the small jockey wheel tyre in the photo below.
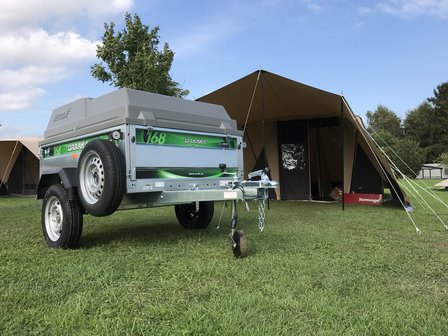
(239, 244)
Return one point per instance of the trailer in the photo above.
(131, 149)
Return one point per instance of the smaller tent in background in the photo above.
(442, 185)
(310, 139)
(19, 166)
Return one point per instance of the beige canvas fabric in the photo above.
(261, 99)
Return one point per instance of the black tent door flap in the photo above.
(293, 157)
(365, 178)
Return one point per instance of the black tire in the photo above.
(239, 244)
(190, 218)
(62, 219)
(101, 177)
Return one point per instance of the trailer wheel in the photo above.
(239, 244)
(191, 218)
(101, 174)
(61, 219)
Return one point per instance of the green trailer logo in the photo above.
(152, 137)
(70, 147)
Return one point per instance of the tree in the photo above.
(443, 159)
(440, 105)
(384, 119)
(131, 59)
(428, 124)
(440, 99)
(410, 157)
(420, 126)
(384, 139)
(405, 153)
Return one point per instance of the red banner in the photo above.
(364, 199)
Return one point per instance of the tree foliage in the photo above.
(440, 105)
(384, 139)
(384, 119)
(130, 58)
(420, 125)
(443, 159)
(440, 99)
(421, 137)
(410, 157)
(428, 124)
(405, 153)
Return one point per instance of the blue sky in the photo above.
(390, 52)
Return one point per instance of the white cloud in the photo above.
(314, 5)
(18, 13)
(19, 99)
(40, 48)
(228, 19)
(41, 42)
(200, 38)
(414, 8)
(30, 76)
(358, 25)
(33, 59)
(22, 86)
(231, 18)
(364, 10)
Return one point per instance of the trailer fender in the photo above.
(65, 176)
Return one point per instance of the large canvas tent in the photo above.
(19, 166)
(310, 138)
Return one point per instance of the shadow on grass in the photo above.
(137, 232)
(392, 203)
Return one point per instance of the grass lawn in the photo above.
(315, 270)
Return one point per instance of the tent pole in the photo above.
(319, 183)
(23, 155)
(341, 126)
(310, 195)
(251, 101)
(263, 126)
(263, 121)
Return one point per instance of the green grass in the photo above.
(315, 270)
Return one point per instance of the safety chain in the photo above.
(261, 213)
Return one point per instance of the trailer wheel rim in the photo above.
(189, 213)
(92, 178)
(54, 218)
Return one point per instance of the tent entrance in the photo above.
(24, 175)
(310, 158)
(325, 157)
(293, 159)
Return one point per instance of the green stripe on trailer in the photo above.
(70, 147)
(153, 137)
(142, 172)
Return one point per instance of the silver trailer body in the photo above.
(173, 148)
(132, 149)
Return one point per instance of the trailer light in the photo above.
(116, 135)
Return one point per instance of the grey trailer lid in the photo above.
(128, 106)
